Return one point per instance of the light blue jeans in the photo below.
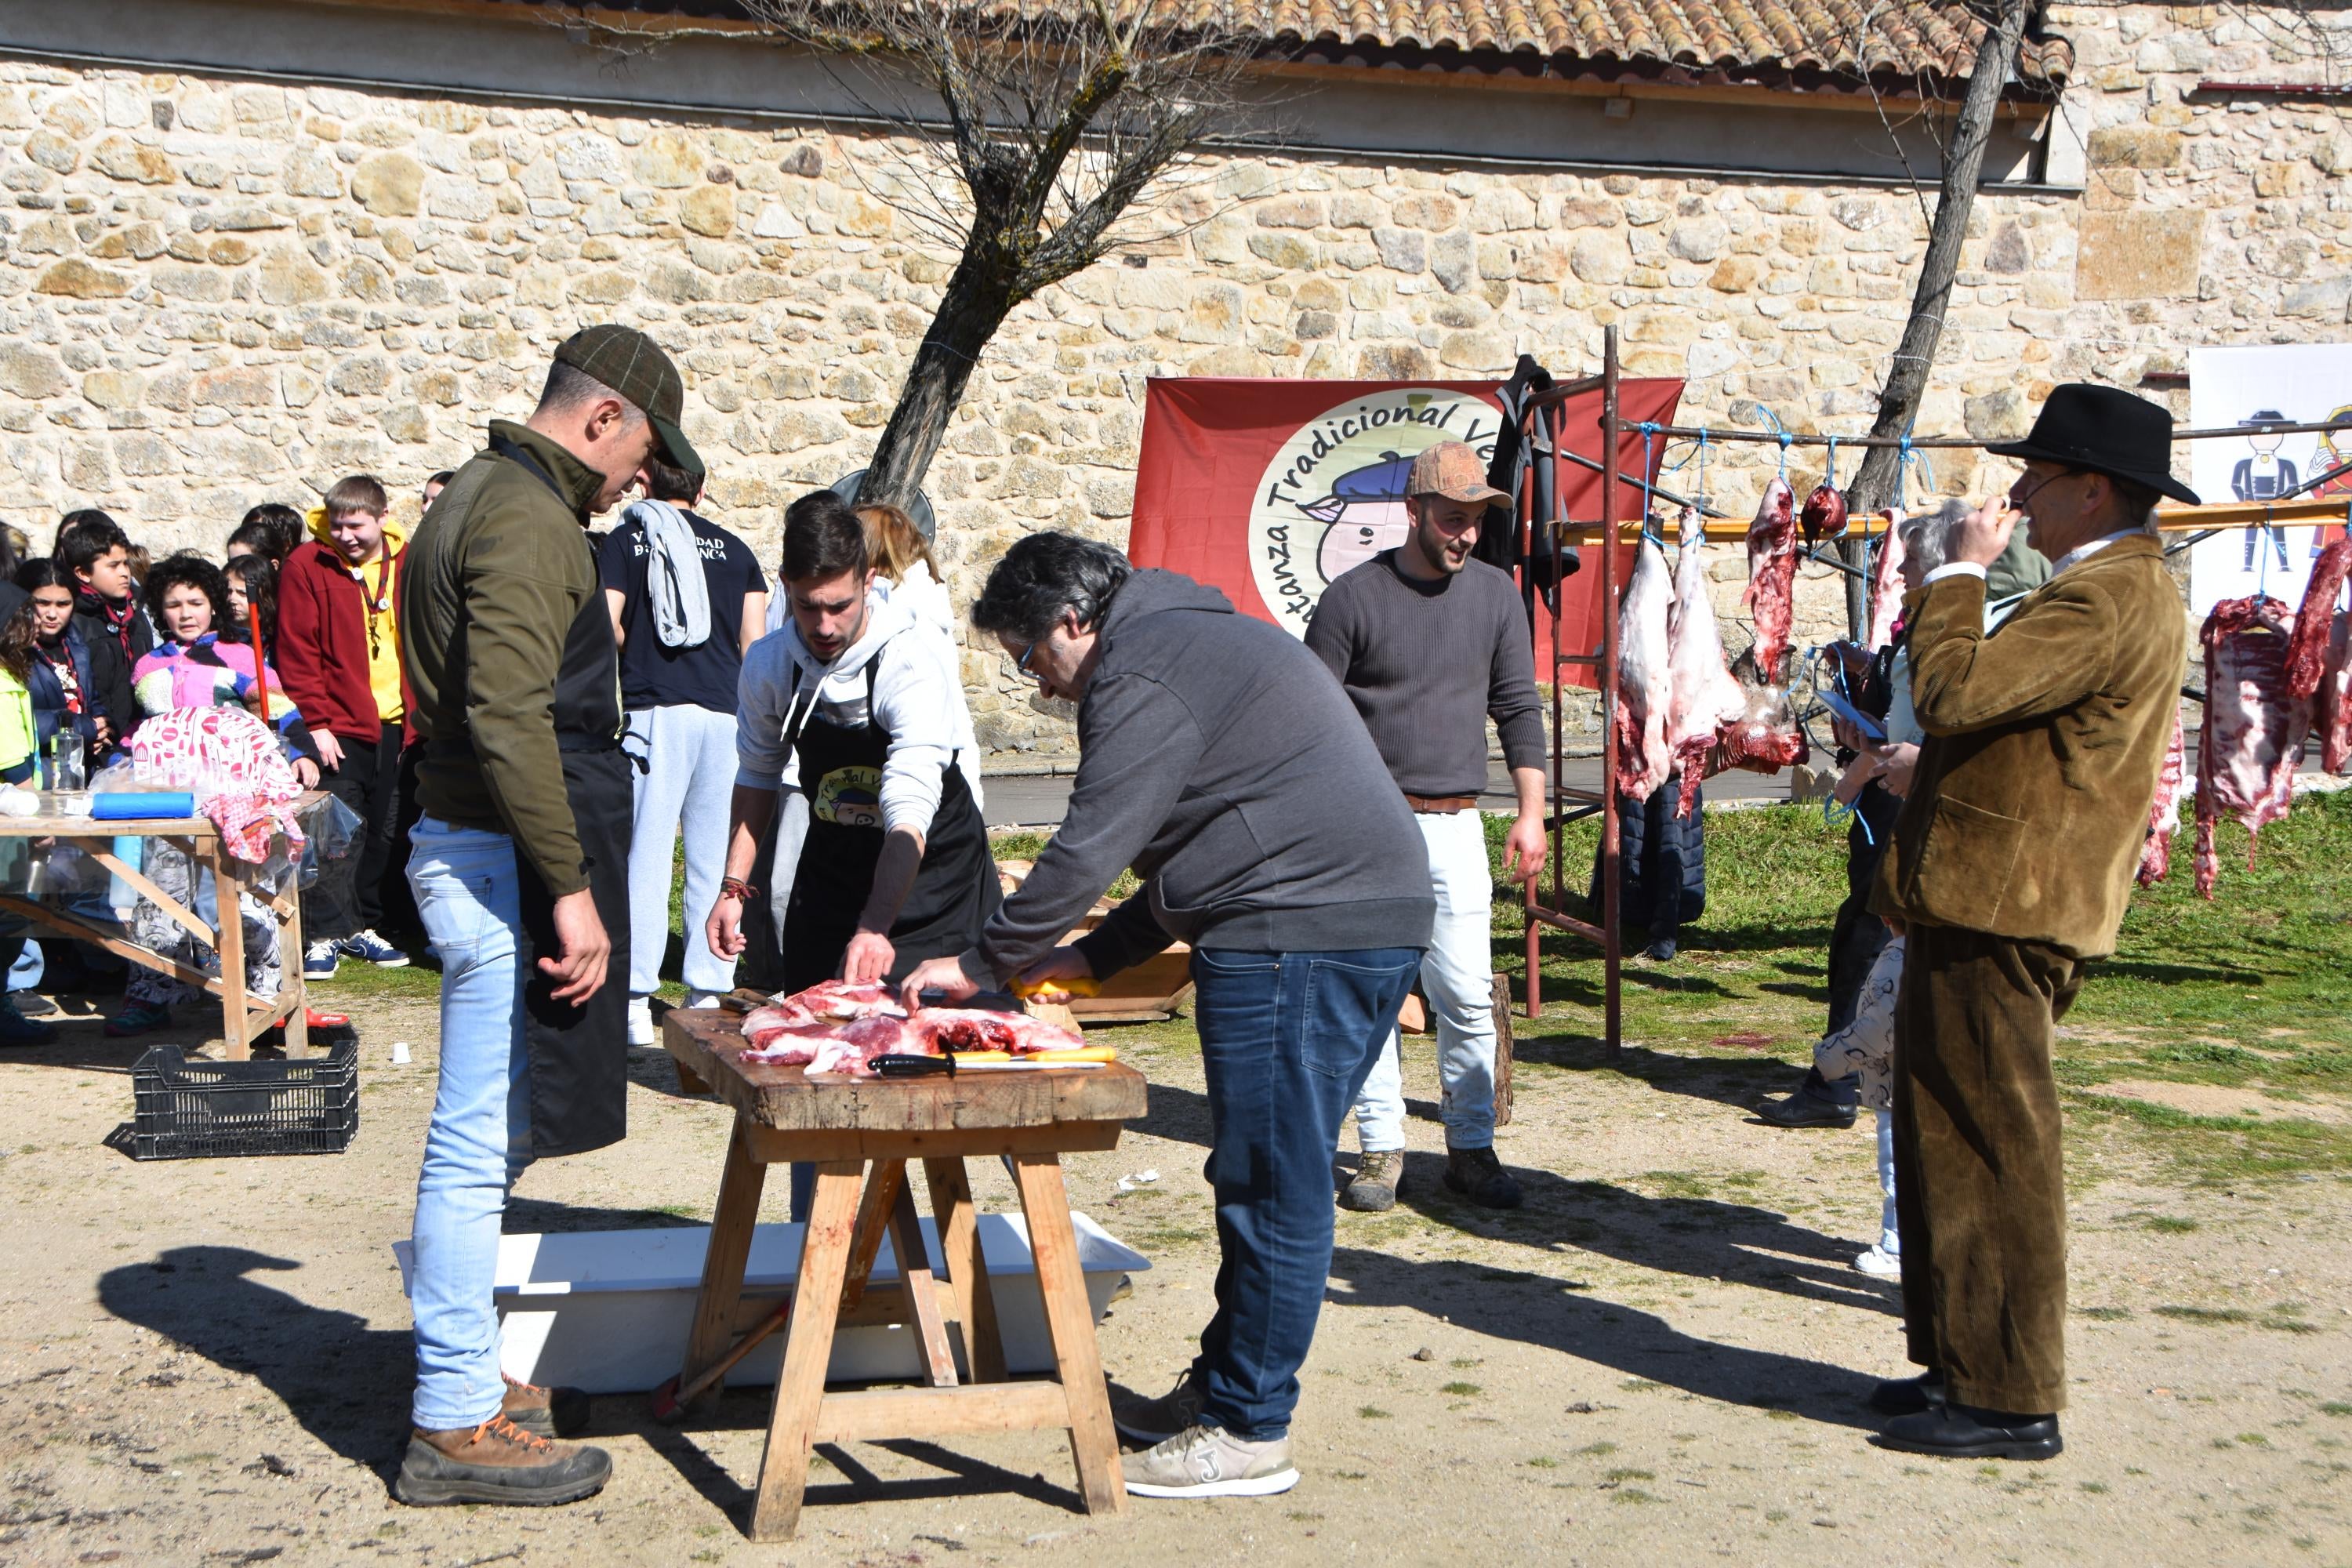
(480, 1140)
(687, 783)
(1457, 976)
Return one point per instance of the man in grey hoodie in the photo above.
(1220, 760)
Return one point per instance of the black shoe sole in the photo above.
(1810, 1119)
(1510, 1201)
(2002, 1448)
(435, 1491)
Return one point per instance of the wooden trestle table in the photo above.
(861, 1133)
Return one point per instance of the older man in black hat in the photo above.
(521, 868)
(2010, 868)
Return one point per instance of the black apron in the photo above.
(841, 759)
(579, 1056)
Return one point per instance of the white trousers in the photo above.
(686, 783)
(1457, 976)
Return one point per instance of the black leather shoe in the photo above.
(1908, 1396)
(1810, 1106)
(1964, 1432)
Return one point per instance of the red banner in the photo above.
(1268, 490)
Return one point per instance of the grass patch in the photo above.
(1462, 1390)
(2191, 986)
(2208, 1315)
(1371, 1413)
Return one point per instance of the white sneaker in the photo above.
(702, 998)
(640, 1021)
(1206, 1461)
(1880, 1264)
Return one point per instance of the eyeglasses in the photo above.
(1022, 664)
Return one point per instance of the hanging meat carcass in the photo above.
(2251, 740)
(2332, 714)
(1644, 684)
(1704, 696)
(2318, 671)
(2164, 811)
(1771, 597)
(1886, 582)
(1824, 515)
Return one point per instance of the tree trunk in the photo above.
(970, 312)
(1907, 379)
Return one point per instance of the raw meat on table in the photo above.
(1770, 599)
(1703, 696)
(2253, 730)
(836, 1027)
(1646, 684)
(945, 1030)
(2164, 811)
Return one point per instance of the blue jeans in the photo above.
(479, 1138)
(1287, 1039)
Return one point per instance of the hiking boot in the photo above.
(1477, 1175)
(369, 948)
(1379, 1176)
(497, 1462)
(1205, 1461)
(138, 1018)
(1157, 1420)
(320, 960)
(545, 1412)
(15, 1029)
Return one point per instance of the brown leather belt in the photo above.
(1440, 804)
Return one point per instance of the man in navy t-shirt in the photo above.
(689, 599)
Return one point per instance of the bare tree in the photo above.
(1053, 122)
(1907, 379)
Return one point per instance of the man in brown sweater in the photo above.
(2009, 871)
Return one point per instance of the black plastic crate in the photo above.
(188, 1110)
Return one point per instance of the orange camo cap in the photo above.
(1453, 471)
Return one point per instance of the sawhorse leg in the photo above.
(975, 1302)
(808, 1348)
(1094, 1441)
(741, 1182)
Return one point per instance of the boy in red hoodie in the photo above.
(339, 654)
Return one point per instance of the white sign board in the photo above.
(2297, 383)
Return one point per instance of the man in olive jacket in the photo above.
(521, 871)
(2010, 868)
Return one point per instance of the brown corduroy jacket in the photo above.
(2029, 810)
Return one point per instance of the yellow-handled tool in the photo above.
(1076, 1056)
(1056, 990)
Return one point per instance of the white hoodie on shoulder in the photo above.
(918, 702)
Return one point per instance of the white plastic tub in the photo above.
(609, 1311)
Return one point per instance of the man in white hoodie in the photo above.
(894, 868)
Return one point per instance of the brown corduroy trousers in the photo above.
(1979, 1182)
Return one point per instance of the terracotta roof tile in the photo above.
(1931, 38)
(1743, 39)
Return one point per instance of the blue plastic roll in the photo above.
(163, 803)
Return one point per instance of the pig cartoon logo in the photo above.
(1365, 514)
(1333, 497)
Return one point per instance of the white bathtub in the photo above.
(608, 1311)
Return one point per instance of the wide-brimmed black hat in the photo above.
(2105, 431)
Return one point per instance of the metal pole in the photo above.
(1533, 420)
(1612, 943)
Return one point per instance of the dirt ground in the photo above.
(1662, 1355)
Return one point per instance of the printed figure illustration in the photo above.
(1366, 514)
(2263, 476)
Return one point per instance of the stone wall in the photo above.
(214, 292)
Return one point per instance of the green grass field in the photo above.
(2251, 990)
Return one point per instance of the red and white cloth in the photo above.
(233, 763)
